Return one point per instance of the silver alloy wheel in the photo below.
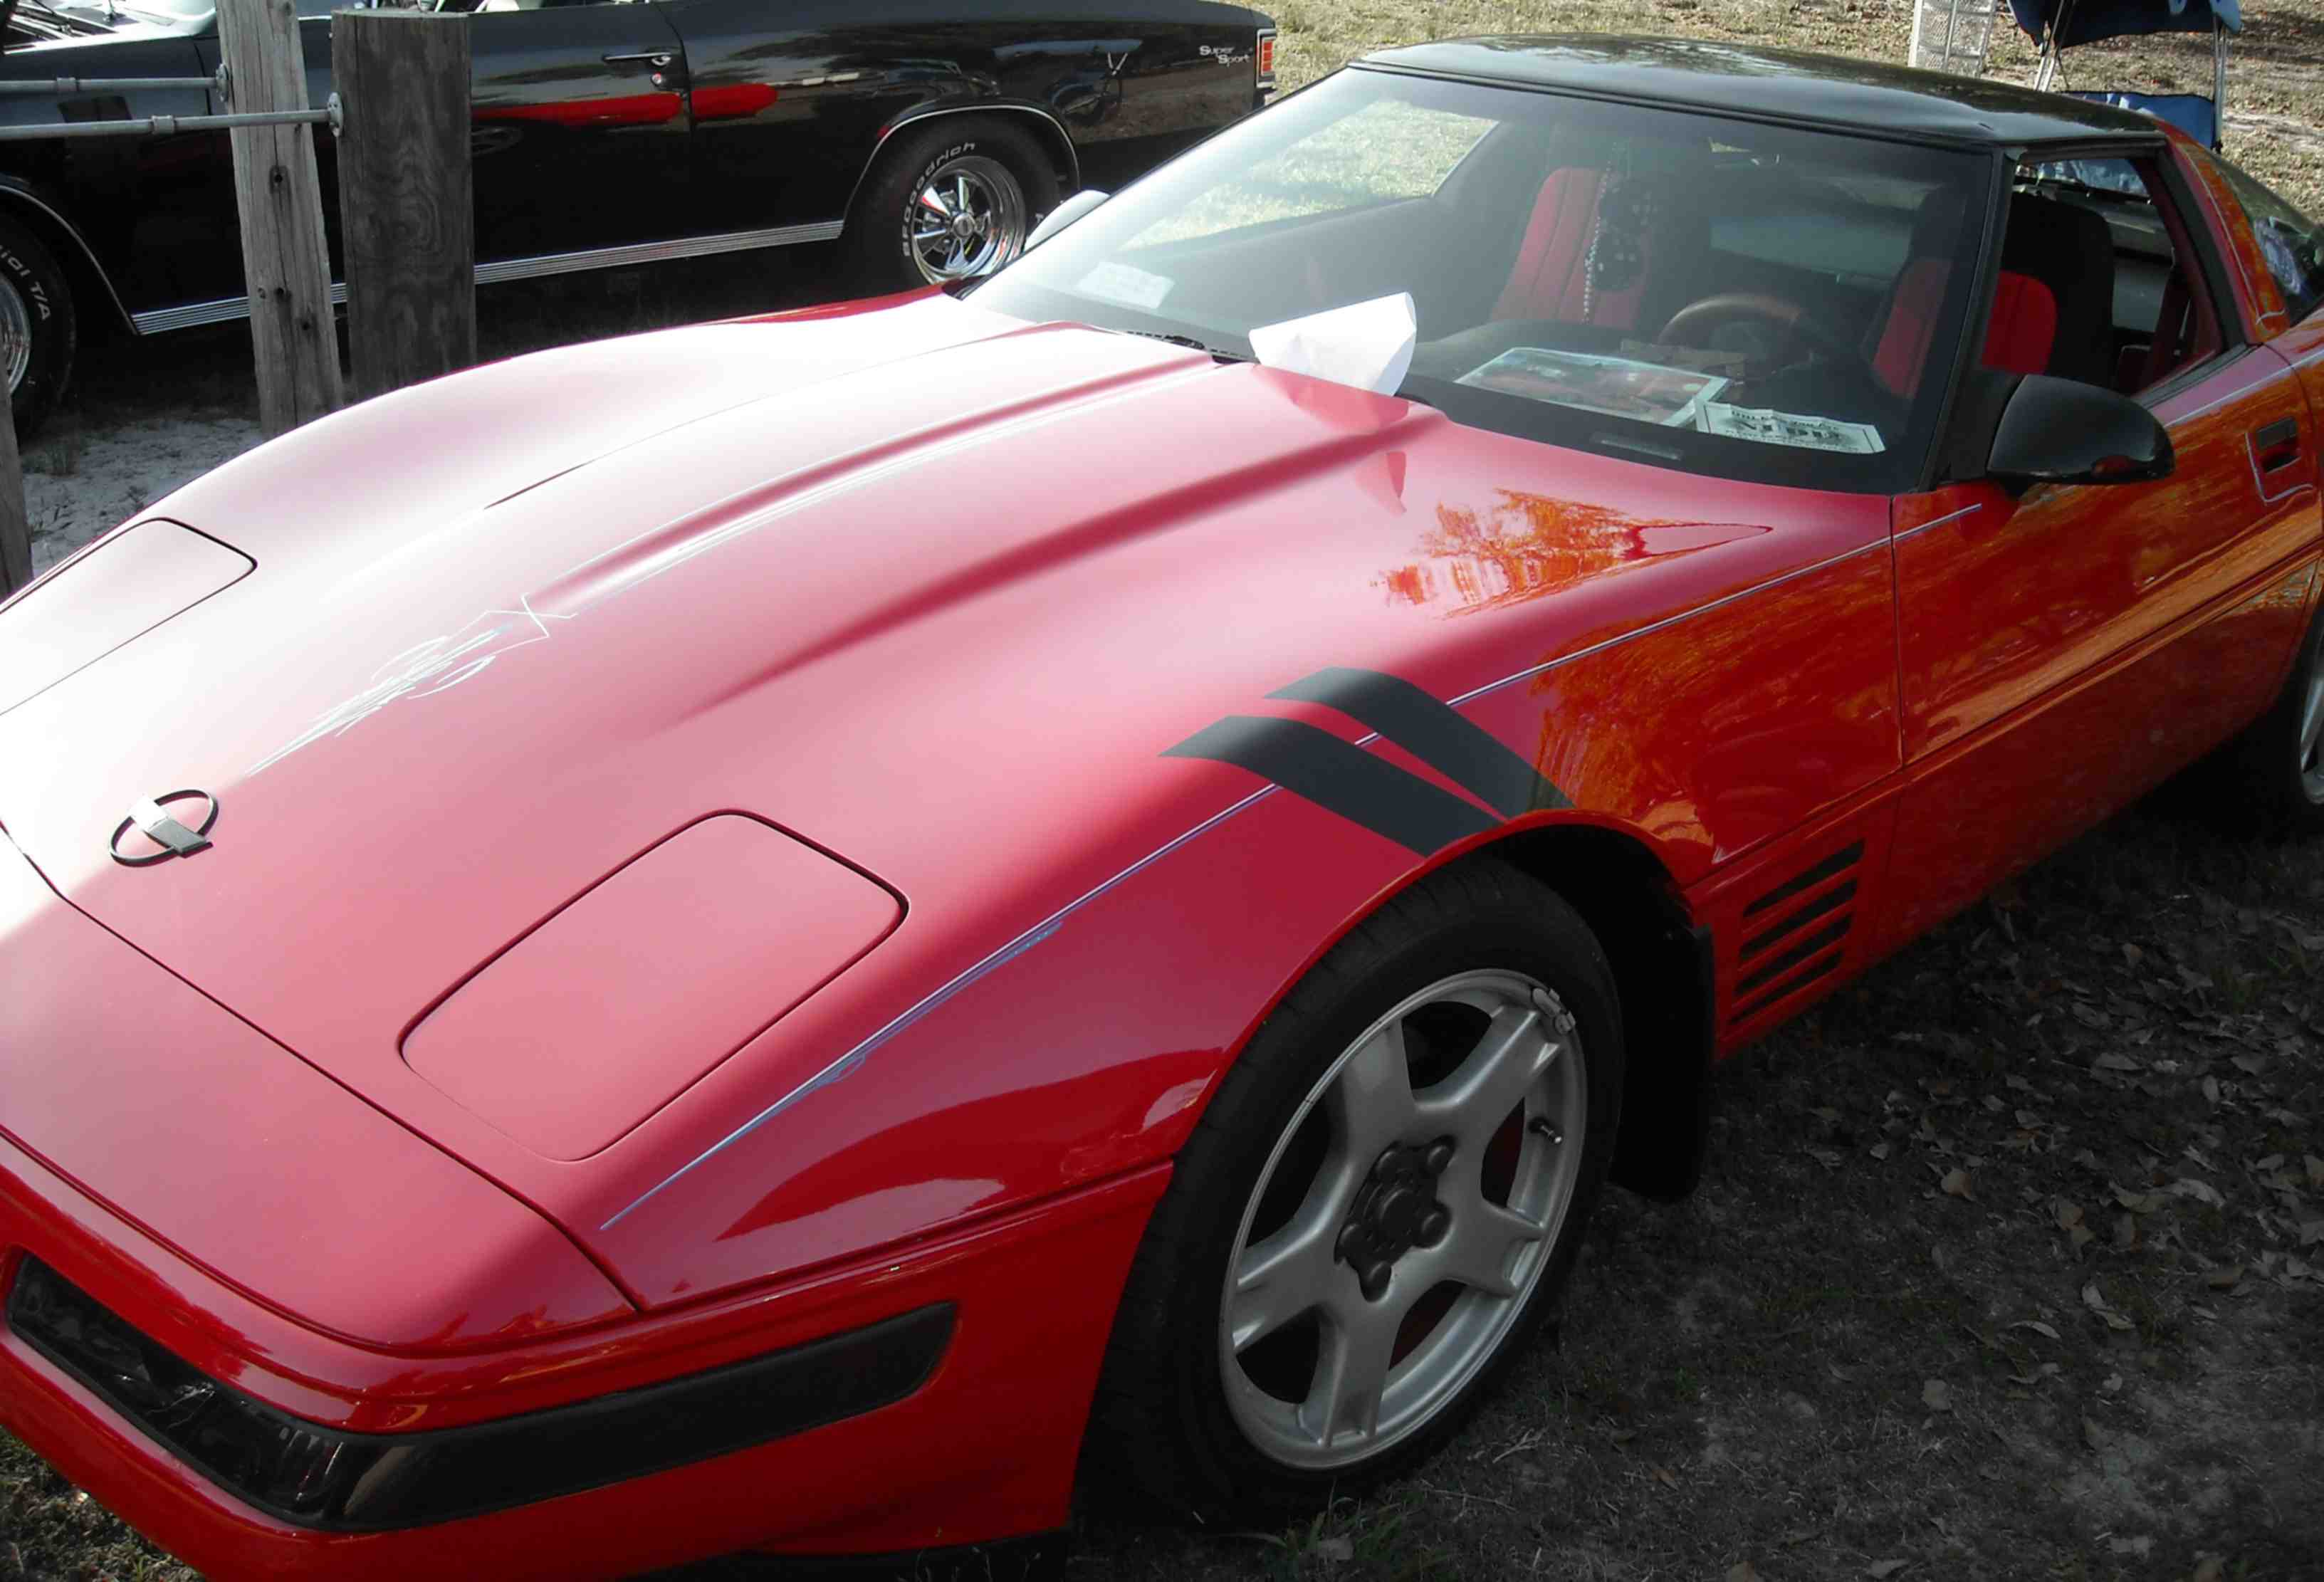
(2311, 728)
(968, 219)
(1465, 1232)
(15, 334)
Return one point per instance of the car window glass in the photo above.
(1718, 295)
(2091, 287)
(2291, 243)
(1379, 153)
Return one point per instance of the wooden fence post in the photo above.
(15, 527)
(281, 201)
(407, 212)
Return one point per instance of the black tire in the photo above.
(1162, 1433)
(30, 270)
(2278, 766)
(877, 241)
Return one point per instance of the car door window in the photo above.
(2094, 286)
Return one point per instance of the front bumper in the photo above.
(962, 1428)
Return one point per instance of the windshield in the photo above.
(1723, 296)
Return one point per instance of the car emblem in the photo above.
(177, 835)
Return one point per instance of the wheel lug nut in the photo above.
(1433, 1227)
(1439, 1156)
(1374, 1281)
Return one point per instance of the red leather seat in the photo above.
(1551, 279)
(2022, 336)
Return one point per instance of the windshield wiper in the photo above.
(1190, 343)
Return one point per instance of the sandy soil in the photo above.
(86, 480)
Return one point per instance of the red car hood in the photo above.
(930, 588)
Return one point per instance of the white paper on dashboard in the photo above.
(1368, 344)
(1133, 287)
(1794, 428)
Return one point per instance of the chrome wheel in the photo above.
(968, 219)
(15, 334)
(2311, 728)
(1403, 1218)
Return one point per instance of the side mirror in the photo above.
(1064, 214)
(2063, 431)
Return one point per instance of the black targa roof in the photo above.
(1779, 85)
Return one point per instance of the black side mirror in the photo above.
(2063, 431)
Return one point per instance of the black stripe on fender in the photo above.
(1341, 778)
(1462, 752)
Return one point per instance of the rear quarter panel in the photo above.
(1130, 84)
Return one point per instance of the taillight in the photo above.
(1266, 59)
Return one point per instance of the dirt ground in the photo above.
(2008, 1264)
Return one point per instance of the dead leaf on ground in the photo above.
(2202, 1191)
(1937, 1396)
(1335, 1550)
(2315, 1170)
(1957, 1185)
(2037, 1326)
(1879, 1569)
(1664, 1476)
(2225, 1279)
(1743, 1571)
(2094, 1299)
(2211, 1568)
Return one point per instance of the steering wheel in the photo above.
(1693, 325)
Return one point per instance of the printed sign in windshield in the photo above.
(1619, 387)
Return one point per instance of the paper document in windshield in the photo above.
(1773, 427)
(1133, 287)
(1619, 387)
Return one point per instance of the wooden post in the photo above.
(283, 256)
(407, 209)
(15, 527)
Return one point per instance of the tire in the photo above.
(36, 309)
(1004, 172)
(1195, 1410)
(2280, 761)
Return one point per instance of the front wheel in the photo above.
(952, 200)
(1377, 1211)
(2281, 758)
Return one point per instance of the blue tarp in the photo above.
(2089, 21)
(2192, 113)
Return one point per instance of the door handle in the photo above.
(2277, 445)
(657, 59)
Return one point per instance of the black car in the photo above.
(925, 136)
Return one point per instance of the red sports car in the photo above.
(817, 935)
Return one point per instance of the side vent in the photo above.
(1797, 934)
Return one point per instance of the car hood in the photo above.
(930, 589)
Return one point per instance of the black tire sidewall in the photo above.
(1195, 1457)
(876, 228)
(2264, 793)
(28, 265)
(2303, 811)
